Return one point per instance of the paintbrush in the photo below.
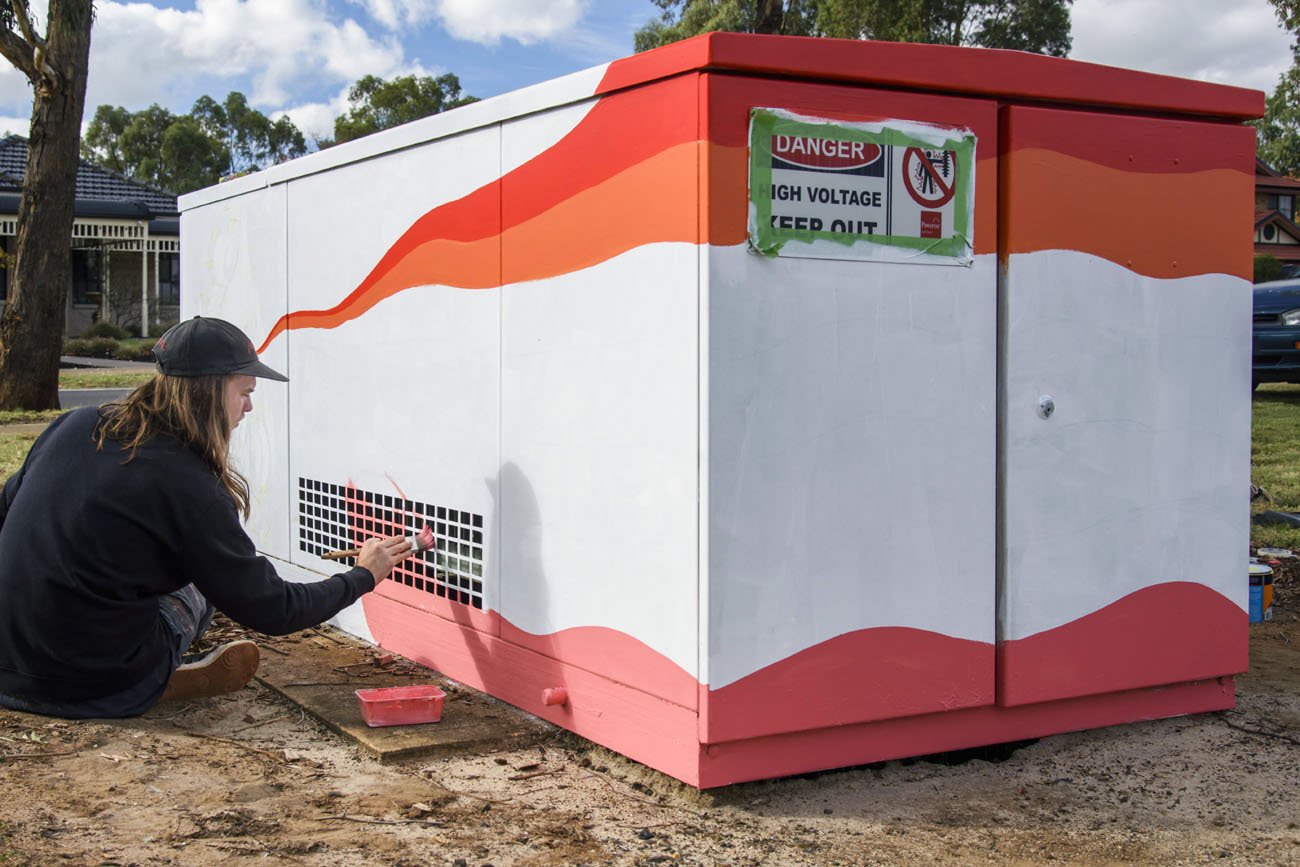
(421, 541)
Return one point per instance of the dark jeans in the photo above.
(185, 615)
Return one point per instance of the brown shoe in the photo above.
(226, 669)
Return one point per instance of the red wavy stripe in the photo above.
(865, 675)
(660, 733)
(643, 123)
(1169, 633)
(620, 656)
(826, 706)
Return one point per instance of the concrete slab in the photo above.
(320, 670)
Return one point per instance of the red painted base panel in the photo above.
(669, 736)
(845, 746)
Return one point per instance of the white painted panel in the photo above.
(399, 407)
(232, 267)
(600, 450)
(403, 397)
(1141, 474)
(526, 137)
(342, 222)
(851, 453)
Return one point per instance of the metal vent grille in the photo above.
(335, 517)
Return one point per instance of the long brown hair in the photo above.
(190, 408)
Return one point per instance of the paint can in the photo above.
(1261, 592)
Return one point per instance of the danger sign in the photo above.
(830, 189)
(930, 176)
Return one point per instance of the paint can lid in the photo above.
(1280, 553)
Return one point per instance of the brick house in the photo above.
(125, 246)
(1276, 200)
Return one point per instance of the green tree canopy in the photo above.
(1041, 26)
(377, 104)
(251, 138)
(1278, 132)
(185, 152)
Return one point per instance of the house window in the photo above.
(87, 277)
(169, 278)
(1284, 204)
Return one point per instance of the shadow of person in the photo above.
(517, 665)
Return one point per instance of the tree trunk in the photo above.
(31, 330)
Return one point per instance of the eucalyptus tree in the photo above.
(55, 64)
(377, 104)
(1278, 133)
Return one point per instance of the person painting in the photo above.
(121, 534)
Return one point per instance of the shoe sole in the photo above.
(228, 671)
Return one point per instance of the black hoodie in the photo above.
(89, 541)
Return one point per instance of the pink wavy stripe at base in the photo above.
(869, 674)
(672, 738)
(1168, 633)
(845, 746)
(615, 654)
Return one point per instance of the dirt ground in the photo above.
(249, 776)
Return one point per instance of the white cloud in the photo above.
(266, 48)
(348, 53)
(316, 119)
(1238, 43)
(14, 126)
(15, 90)
(393, 14)
(524, 21)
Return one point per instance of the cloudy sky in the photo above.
(300, 56)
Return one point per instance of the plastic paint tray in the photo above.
(400, 705)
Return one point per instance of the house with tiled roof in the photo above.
(1277, 198)
(125, 246)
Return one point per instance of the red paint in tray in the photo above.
(401, 705)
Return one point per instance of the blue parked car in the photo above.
(1275, 349)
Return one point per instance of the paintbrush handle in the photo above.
(339, 555)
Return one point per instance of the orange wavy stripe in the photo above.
(1158, 225)
(653, 201)
(649, 202)
(467, 265)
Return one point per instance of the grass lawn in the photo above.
(13, 448)
(1275, 459)
(102, 377)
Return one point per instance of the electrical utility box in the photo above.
(778, 404)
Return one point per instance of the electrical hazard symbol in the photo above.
(930, 176)
(824, 188)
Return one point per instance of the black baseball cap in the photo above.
(204, 346)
